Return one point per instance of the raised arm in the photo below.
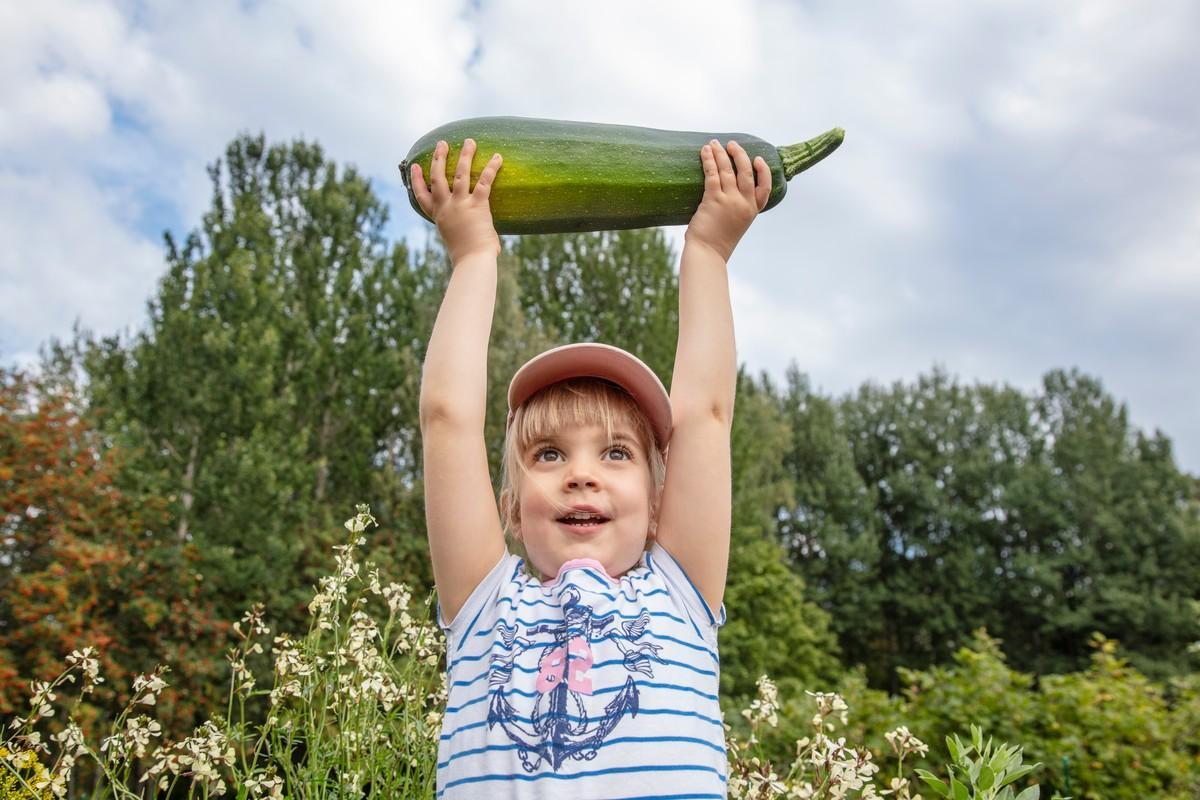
(695, 516)
(465, 538)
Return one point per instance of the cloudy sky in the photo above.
(1019, 189)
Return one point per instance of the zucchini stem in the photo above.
(799, 157)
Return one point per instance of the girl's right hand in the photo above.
(464, 217)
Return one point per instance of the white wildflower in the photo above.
(56, 783)
(115, 745)
(903, 742)
(829, 704)
(70, 740)
(90, 665)
(766, 706)
(138, 733)
(398, 598)
(269, 785)
(43, 696)
(146, 688)
(373, 582)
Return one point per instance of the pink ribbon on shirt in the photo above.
(578, 652)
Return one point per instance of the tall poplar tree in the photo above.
(278, 372)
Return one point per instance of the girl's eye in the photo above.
(625, 452)
(538, 455)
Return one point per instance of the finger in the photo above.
(462, 175)
(483, 187)
(724, 168)
(421, 191)
(437, 172)
(745, 173)
(712, 181)
(762, 192)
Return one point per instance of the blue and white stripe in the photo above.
(673, 746)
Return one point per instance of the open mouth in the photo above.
(583, 523)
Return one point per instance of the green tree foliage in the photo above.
(828, 528)
(616, 287)
(772, 628)
(1112, 513)
(1042, 517)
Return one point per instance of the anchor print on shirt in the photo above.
(561, 725)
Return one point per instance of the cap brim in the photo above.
(596, 360)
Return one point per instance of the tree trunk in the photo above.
(187, 496)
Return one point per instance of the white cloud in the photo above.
(1162, 258)
(68, 255)
(60, 105)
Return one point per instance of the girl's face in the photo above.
(583, 467)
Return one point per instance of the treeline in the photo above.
(155, 485)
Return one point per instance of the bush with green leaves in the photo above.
(988, 777)
(827, 768)
(1106, 732)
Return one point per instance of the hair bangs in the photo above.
(577, 403)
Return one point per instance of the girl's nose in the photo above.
(581, 478)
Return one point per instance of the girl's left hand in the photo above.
(731, 198)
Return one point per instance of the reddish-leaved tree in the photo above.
(84, 563)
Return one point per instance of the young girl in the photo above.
(588, 670)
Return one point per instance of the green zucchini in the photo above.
(561, 176)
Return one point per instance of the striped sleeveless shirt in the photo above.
(585, 687)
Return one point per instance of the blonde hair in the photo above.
(576, 402)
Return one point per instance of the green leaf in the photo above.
(1005, 758)
(934, 782)
(955, 748)
(1017, 774)
(986, 778)
(960, 791)
(977, 737)
(1031, 793)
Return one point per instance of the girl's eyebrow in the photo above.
(618, 436)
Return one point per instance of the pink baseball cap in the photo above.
(596, 360)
